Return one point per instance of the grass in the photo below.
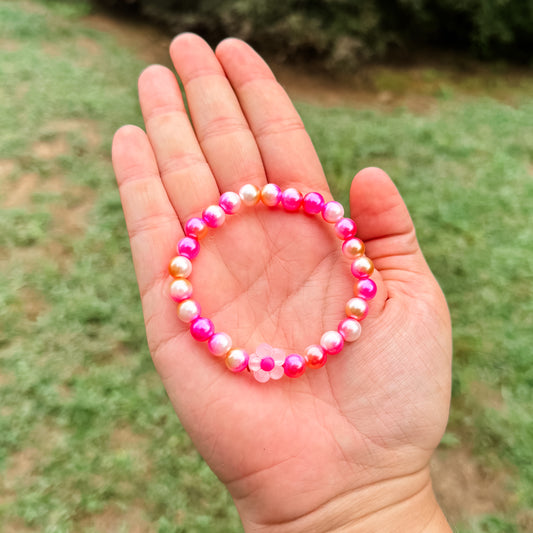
(88, 440)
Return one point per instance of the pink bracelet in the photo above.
(267, 362)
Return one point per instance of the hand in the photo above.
(344, 446)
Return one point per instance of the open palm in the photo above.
(292, 452)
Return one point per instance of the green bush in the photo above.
(343, 33)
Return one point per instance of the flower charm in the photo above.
(266, 363)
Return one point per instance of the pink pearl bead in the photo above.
(313, 203)
(231, 202)
(219, 344)
(332, 342)
(196, 228)
(202, 329)
(249, 194)
(365, 288)
(291, 199)
(294, 365)
(345, 228)
(237, 360)
(271, 195)
(267, 364)
(315, 356)
(188, 247)
(188, 310)
(180, 289)
(350, 329)
(214, 216)
(353, 248)
(333, 212)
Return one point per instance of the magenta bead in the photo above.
(202, 329)
(291, 199)
(294, 365)
(345, 228)
(313, 203)
(267, 364)
(214, 216)
(188, 247)
(230, 202)
(195, 228)
(365, 288)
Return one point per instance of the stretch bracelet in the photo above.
(267, 362)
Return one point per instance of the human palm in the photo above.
(291, 452)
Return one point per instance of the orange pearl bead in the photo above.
(362, 267)
(353, 248)
(357, 308)
(180, 267)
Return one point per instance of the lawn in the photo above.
(88, 440)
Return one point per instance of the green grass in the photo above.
(86, 431)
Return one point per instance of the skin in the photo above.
(342, 448)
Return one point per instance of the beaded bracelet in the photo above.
(267, 362)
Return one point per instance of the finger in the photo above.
(185, 173)
(288, 154)
(221, 128)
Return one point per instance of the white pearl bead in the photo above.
(333, 212)
(350, 329)
(220, 344)
(249, 194)
(188, 310)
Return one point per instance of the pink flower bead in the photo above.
(332, 342)
(271, 195)
(350, 329)
(294, 365)
(266, 363)
(202, 329)
(219, 344)
(188, 310)
(196, 228)
(291, 199)
(365, 288)
(231, 202)
(214, 216)
(188, 247)
(315, 356)
(180, 289)
(313, 203)
(345, 228)
(332, 212)
(237, 360)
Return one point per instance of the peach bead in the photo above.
(180, 289)
(249, 194)
(237, 360)
(357, 308)
(362, 267)
(271, 195)
(180, 267)
(188, 310)
(353, 248)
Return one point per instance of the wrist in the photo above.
(395, 505)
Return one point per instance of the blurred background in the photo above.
(436, 93)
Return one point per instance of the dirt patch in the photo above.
(465, 489)
(132, 519)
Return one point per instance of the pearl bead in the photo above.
(196, 228)
(350, 329)
(353, 247)
(188, 310)
(356, 308)
(188, 247)
(362, 267)
(180, 267)
(231, 202)
(332, 342)
(291, 199)
(219, 344)
(271, 195)
(294, 365)
(180, 289)
(313, 203)
(345, 228)
(214, 216)
(249, 194)
(202, 329)
(237, 360)
(315, 356)
(333, 212)
(365, 288)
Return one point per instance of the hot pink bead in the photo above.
(237, 360)
(332, 212)
(188, 247)
(219, 344)
(332, 342)
(345, 228)
(202, 329)
(271, 195)
(365, 288)
(294, 365)
(291, 199)
(267, 364)
(180, 289)
(315, 356)
(350, 329)
(196, 228)
(231, 202)
(214, 216)
(313, 203)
